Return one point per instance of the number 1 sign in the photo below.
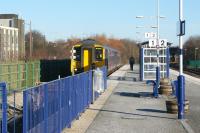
(152, 43)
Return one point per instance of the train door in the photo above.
(87, 59)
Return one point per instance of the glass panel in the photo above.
(99, 54)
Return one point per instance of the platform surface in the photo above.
(127, 106)
(131, 109)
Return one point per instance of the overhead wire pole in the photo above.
(158, 64)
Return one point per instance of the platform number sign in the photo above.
(163, 42)
(147, 35)
(150, 35)
(153, 35)
(152, 43)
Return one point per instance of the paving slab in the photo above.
(127, 106)
(132, 109)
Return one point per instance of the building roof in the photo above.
(8, 16)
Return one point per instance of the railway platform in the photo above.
(127, 106)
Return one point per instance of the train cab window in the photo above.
(99, 54)
(78, 53)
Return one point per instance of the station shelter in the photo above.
(148, 61)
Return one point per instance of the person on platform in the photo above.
(131, 62)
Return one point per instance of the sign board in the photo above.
(163, 42)
(147, 34)
(153, 43)
(151, 35)
(181, 28)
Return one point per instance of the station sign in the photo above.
(150, 35)
(163, 42)
(153, 43)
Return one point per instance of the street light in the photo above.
(181, 78)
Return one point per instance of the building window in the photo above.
(10, 23)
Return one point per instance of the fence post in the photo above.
(46, 108)
(25, 111)
(38, 72)
(26, 75)
(33, 74)
(59, 107)
(1, 66)
(18, 76)
(9, 77)
(4, 107)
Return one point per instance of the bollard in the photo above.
(181, 96)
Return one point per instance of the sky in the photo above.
(62, 19)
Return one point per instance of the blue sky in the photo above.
(61, 19)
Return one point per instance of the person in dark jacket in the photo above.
(131, 62)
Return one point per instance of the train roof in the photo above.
(95, 42)
(89, 42)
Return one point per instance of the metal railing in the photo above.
(3, 108)
(52, 106)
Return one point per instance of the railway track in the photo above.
(190, 71)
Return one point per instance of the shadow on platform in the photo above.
(152, 110)
(131, 94)
(122, 78)
(132, 114)
(133, 72)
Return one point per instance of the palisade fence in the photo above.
(20, 75)
(52, 106)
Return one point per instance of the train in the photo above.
(90, 54)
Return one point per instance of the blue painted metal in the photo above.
(14, 110)
(141, 64)
(175, 87)
(157, 82)
(52, 106)
(4, 107)
(154, 85)
(181, 96)
(167, 62)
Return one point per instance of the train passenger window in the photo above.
(78, 53)
(99, 54)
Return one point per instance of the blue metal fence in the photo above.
(52, 106)
(3, 108)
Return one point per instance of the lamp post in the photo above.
(158, 35)
(181, 78)
(157, 46)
